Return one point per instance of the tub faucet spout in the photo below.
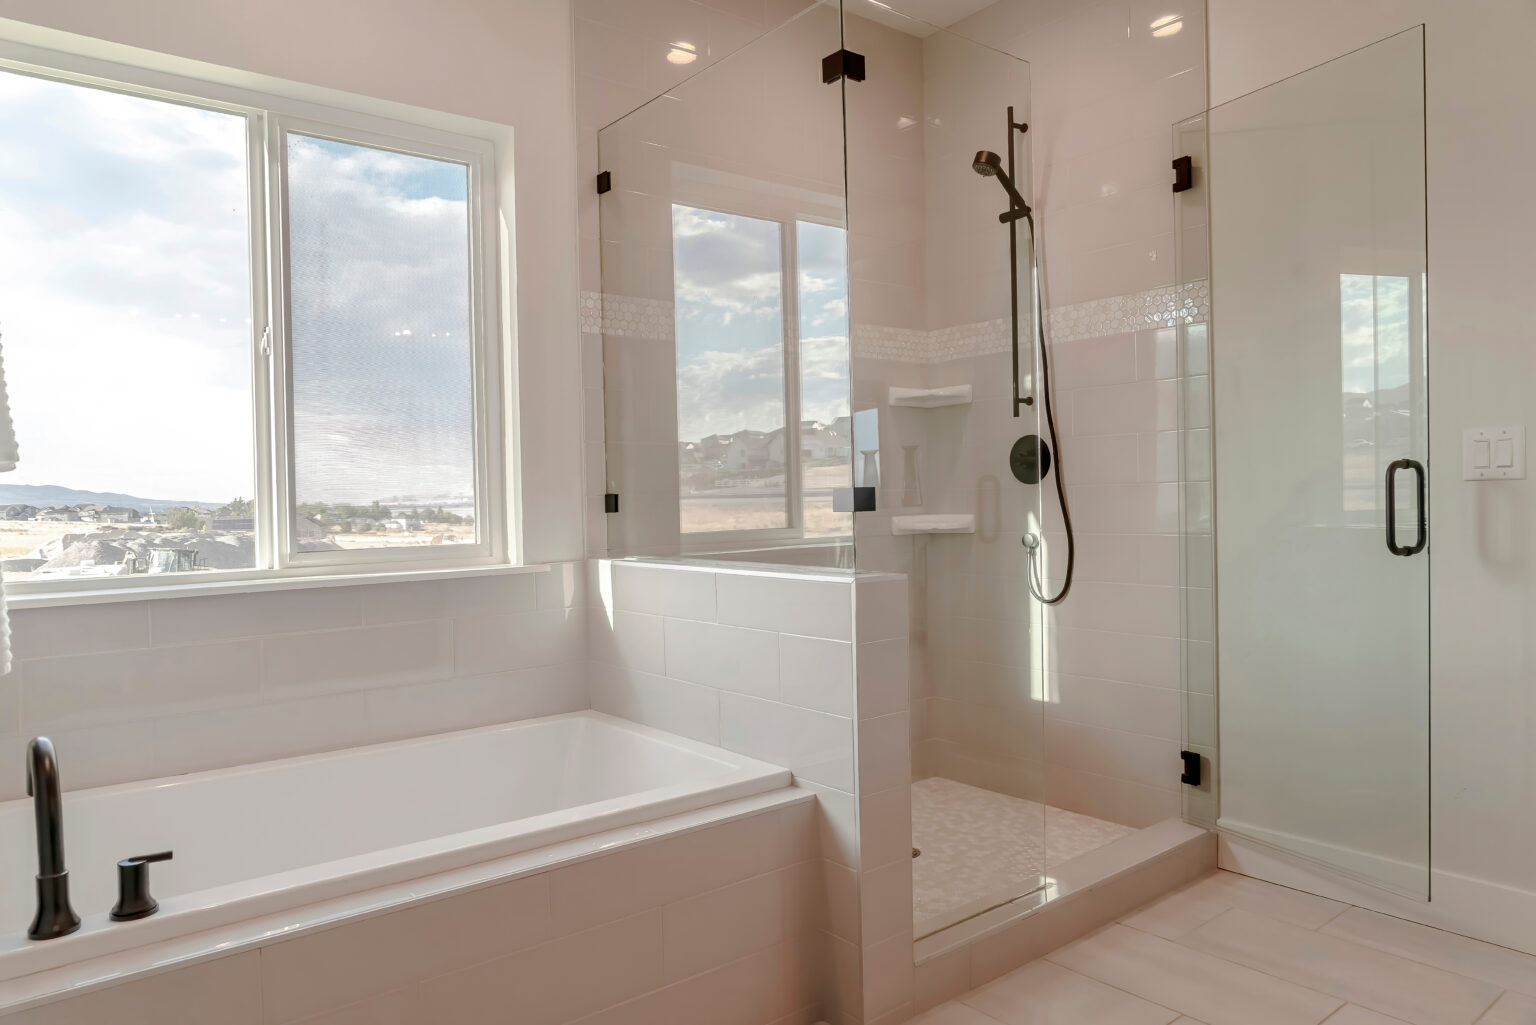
(54, 916)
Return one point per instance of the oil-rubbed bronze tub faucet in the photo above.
(54, 917)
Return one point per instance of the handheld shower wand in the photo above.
(990, 165)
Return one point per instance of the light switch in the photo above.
(1493, 453)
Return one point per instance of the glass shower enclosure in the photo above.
(810, 299)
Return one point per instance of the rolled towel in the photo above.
(9, 455)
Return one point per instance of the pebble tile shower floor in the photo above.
(980, 848)
(1230, 950)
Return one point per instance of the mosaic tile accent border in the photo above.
(627, 316)
(1158, 307)
(903, 344)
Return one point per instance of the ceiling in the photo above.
(916, 17)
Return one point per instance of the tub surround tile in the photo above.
(226, 990)
(314, 973)
(687, 709)
(811, 608)
(659, 590)
(817, 674)
(436, 599)
(400, 653)
(85, 690)
(489, 644)
(134, 690)
(704, 932)
(730, 658)
(815, 746)
(189, 620)
(467, 702)
(79, 629)
(635, 640)
(558, 981)
(884, 677)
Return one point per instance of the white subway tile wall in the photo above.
(135, 690)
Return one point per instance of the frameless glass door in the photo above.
(1318, 275)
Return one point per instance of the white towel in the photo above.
(9, 456)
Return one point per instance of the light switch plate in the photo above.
(1493, 453)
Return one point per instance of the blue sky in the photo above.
(125, 304)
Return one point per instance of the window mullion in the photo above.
(279, 375)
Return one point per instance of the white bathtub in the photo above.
(268, 837)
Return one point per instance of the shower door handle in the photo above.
(1423, 533)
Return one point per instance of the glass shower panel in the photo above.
(1318, 259)
(1197, 567)
(728, 420)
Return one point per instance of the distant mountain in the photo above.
(52, 494)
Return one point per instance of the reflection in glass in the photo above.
(728, 275)
(825, 431)
(1374, 338)
(736, 422)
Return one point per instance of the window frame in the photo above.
(268, 117)
(788, 221)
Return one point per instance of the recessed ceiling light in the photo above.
(1168, 25)
(683, 53)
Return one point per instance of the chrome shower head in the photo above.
(987, 163)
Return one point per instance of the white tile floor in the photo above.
(1229, 950)
(981, 848)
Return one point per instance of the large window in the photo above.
(763, 427)
(238, 343)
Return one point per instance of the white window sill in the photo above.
(200, 589)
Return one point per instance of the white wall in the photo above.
(1481, 126)
(508, 63)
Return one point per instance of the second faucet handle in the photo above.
(133, 899)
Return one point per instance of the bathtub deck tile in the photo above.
(333, 968)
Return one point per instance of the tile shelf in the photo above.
(928, 398)
(936, 523)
